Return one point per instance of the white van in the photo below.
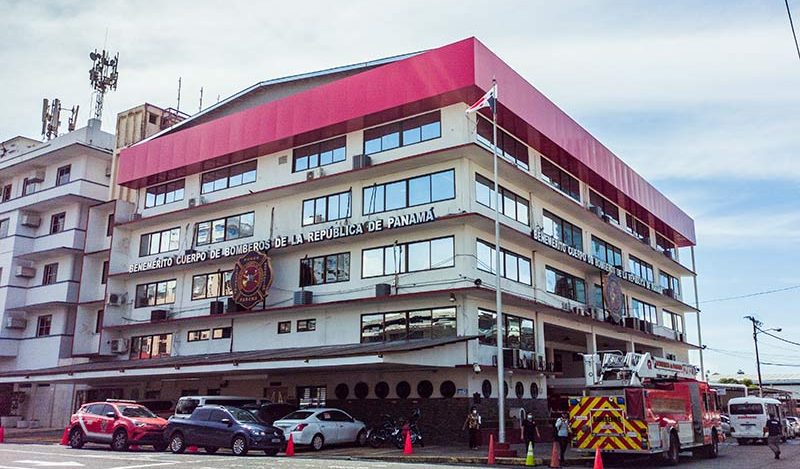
(749, 417)
(187, 404)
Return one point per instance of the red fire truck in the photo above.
(637, 404)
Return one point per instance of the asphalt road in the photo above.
(33, 456)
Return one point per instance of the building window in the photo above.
(606, 208)
(98, 321)
(408, 257)
(606, 252)
(163, 194)
(232, 176)
(637, 228)
(407, 325)
(306, 325)
(643, 311)
(160, 241)
(50, 274)
(57, 222)
(326, 208)
(319, 154)
(198, 335)
(152, 118)
(211, 285)
(43, 324)
(511, 205)
(110, 224)
(151, 346)
(62, 175)
(672, 321)
(563, 230)
(399, 134)
(6, 195)
(4, 223)
(325, 269)
(222, 333)
(565, 285)
(104, 273)
(561, 180)
(666, 246)
(284, 327)
(668, 282)
(156, 293)
(225, 229)
(410, 192)
(508, 147)
(518, 331)
(315, 396)
(28, 187)
(641, 268)
(513, 266)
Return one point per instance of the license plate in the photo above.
(276, 440)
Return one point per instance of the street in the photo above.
(32, 456)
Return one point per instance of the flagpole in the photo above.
(501, 404)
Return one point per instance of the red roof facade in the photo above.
(459, 72)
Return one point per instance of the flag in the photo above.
(488, 100)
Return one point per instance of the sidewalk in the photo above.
(33, 435)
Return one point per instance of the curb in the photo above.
(519, 461)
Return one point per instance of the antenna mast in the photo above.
(51, 118)
(103, 77)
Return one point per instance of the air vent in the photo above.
(361, 161)
(303, 297)
(383, 289)
(283, 159)
(16, 323)
(216, 307)
(158, 315)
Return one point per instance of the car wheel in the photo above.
(211, 449)
(119, 442)
(176, 443)
(271, 452)
(361, 439)
(159, 447)
(317, 442)
(239, 446)
(673, 453)
(76, 438)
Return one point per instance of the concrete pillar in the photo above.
(591, 342)
(540, 343)
(629, 346)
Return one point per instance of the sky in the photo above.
(702, 99)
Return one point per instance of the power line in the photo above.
(777, 337)
(791, 23)
(750, 295)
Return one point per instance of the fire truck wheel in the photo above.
(709, 451)
(672, 455)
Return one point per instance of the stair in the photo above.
(503, 450)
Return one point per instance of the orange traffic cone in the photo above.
(407, 449)
(2, 434)
(64, 437)
(290, 446)
(555, 459)
(490, 460)
(598, 459)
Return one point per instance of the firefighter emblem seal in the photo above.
(251, 279)
(613, 296)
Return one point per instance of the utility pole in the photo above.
(756, 324)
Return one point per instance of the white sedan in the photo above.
(319, 427)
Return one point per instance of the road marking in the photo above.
(148, 465)
(51, 463)
(95, 456)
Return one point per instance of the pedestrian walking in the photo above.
(775, 433)
(528, 432)
(473, 425)
(562, 433)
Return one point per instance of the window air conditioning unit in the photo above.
(108, 171)
(315, 173)
(566, 306)
(25, 271)
(232, 306)
(361, 161)
(192, 202)
(119, 345)
(158, 315)
(646, 240)
(596, 210)
(137, 216)
(667, 253)
(31, 219)
(216, 307)
(117, 299)
(37, 176)
(668, 292)
(577, 310)
(632, 323)
(16, 323)
(303, 297)
(383, 289)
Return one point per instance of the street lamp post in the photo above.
(756, 330)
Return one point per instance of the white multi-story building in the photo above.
(47, 190)
(369, 188)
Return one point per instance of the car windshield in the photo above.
(242, 415)
(135, 411)
(746, 409)
(298, 415)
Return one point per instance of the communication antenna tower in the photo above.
(51, 118)
(103, 77)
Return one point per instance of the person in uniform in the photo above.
(775, 433)
(529, 431)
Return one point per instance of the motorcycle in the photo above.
(377, 436)
(410, 426)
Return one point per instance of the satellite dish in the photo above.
(93, 55)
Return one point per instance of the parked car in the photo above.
(212, 427)
(118, 423)
(791, 430)
(725, 424)
(319, 427)
(164, 408)
(187, 404)
(794, 422)
(269, 413)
